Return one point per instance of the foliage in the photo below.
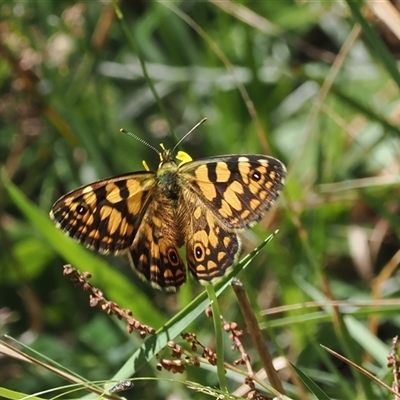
(315, 84)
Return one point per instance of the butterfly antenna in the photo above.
(140, 140)
(187, 134)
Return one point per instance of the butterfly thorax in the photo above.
(167, 180)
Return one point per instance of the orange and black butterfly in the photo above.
(150, 215)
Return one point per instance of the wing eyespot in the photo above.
(173, 257)
(256, 176)
(199, 252)
(81, 209)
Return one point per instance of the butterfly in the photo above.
(149, 215)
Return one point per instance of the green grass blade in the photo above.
(132, 40)
(218, 337)
(13, 395)
(312, 386)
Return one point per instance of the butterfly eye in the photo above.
(199, 253)
(173, 257)
(256, 176)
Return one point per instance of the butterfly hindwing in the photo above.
(105, 215)
(210, 248)
(238, 189)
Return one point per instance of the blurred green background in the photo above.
(313, 83)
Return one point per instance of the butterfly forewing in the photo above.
(239, 189)
(105, 215)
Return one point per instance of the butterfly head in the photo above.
(166, 156)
